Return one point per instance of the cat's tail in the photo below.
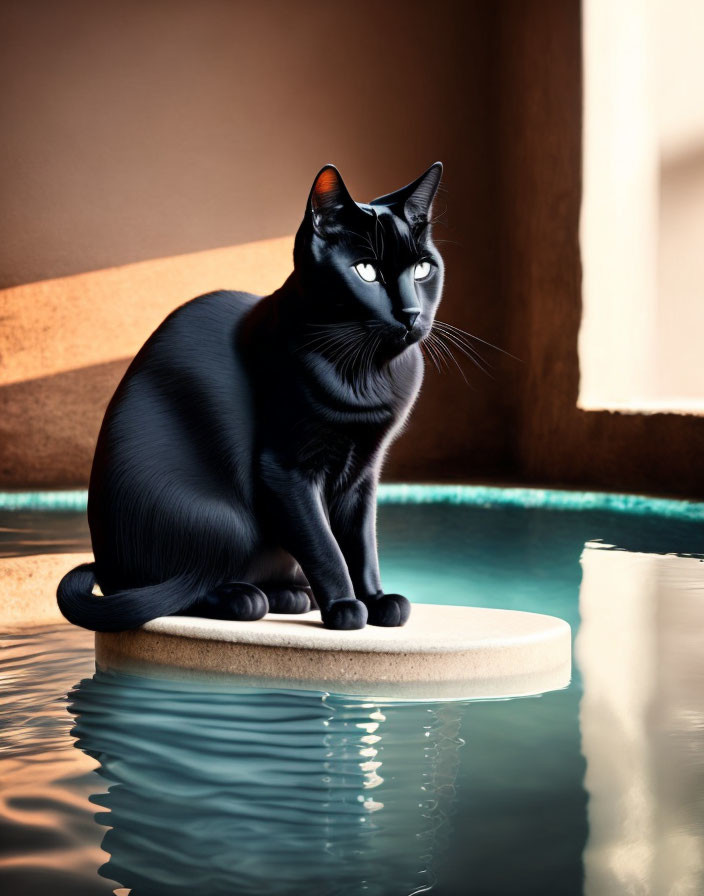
(125, 609)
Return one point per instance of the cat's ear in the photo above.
(329, 201)
(414, 201)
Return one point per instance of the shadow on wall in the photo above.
(59, 417)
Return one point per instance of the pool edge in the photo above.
(429, 493)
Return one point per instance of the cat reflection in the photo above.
(221, 790)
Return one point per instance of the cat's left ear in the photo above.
(414, 201)
(329, 201)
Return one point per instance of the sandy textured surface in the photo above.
(28, 587)
(442, 651)
(431, 629)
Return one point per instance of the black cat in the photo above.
(237, 464)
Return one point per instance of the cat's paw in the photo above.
(288, 600)
(388, 610)
(235, 600)
(345, 615)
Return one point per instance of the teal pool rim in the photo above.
(405, 493)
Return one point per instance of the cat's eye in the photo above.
(366, 271)
(421, 270)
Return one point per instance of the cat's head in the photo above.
(372, 264)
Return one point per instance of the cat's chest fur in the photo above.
(372, 402)
(334, 426)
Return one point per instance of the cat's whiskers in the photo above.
(457, 339)
(444, 338)
(431, 343)
(428, 352)
(367, 241)
(371, 344)
(331, 336)
(446, 352)
(372, 352)
(351, 355)
(466, 335)
(338, 340)
(353, 351)
(466, 350)
(322, 343)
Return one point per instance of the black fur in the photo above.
(237, 464)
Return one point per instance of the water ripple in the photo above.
(46, 827)
(250, 791)
(211, 786)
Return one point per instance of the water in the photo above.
(112, 782)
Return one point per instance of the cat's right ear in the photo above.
(329, 200)
(414, 201)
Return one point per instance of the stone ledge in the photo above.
(442, 652)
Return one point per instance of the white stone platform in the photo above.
(442, 652)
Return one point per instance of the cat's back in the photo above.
(210, 320)
(197, 341)
(185, 398)
(174, 452)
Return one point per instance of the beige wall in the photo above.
(54, 390)
(147, 128)
(136, 131)
(138, 137)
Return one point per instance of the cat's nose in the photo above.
(409, 316)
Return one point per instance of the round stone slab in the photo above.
(442, 652)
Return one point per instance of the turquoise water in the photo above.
(111, 782)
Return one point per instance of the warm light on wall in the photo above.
(99, 316)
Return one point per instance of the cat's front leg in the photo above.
(353, 521)
(295, 508)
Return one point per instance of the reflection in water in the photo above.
(48, 841)
(217, 789)
(518, 824)
(642, 722)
